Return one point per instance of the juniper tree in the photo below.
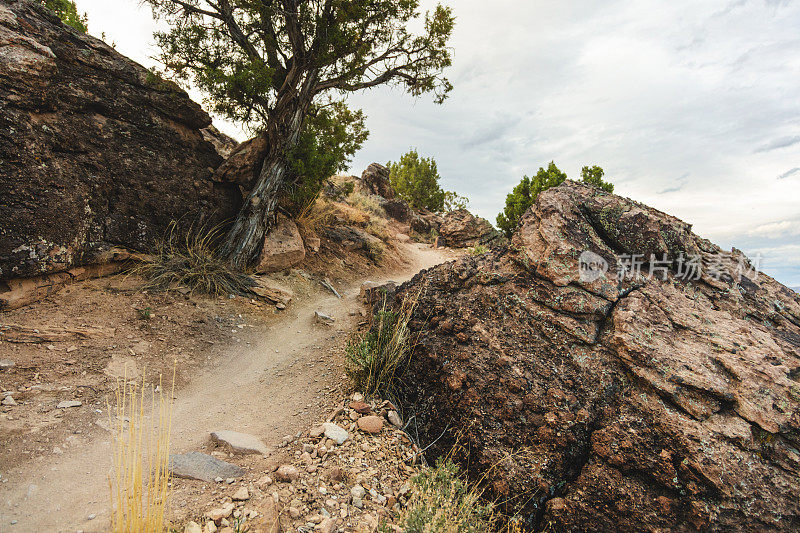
(265, 62)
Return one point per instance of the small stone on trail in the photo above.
(335, 433)
(68, 403)
(8, 400)
(192, 527)
(322, 318)
(394, 419)
(218, 514)
(287, 473)
(370, 424)
(241, 495)
(361, 407)
(196, 465)
(240, 442)
(5, 364)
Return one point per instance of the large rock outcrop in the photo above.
(96, 152)
(462, 229)
(596, 399)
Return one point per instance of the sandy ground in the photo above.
(276, 380)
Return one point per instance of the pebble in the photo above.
(8, 400)
(241, 495)
(66, 404)
(192, 527)
(322, 318)
(370, 424)
(5, 364)
(335, 433)
(394, 419)
(287, 473)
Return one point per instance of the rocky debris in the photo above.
(196, 465)
(335, 433)
(351, 238)
(283, 247)
(6, 364)
(223, 144)
(66, 404)
(271, 290)
(8, 401)
(322, 318)
(101, 152)
(598, 400)
(375, 293)
(242, 443)
(462, 229)
(313, 243)
(394, 418)
(376, 180)
(370, 424)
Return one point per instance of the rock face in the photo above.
(462, 229)
(283, 247)
(606, 401)
(376, 179)
(95, 151)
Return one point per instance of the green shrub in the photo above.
(525, 193)
(416, 180)
(376, 360)
(477, 250)
(442, 502)
(68, 13)
(330, 136)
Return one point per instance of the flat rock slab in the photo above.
(335, 433)
(66, 404)
(243, 443)
(196, 465)
(5, 364)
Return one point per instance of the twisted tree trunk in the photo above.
(243, 244)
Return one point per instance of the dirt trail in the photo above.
(270, 384)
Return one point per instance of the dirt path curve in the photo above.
(270, 384)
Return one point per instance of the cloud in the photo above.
(680, 184)
(789, 173)
(774, 230)
(782, 142)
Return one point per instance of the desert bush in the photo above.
(375, 361)
(379, 228)
(442, 502)
(140, 486)
(477, 250)
(192, 261)
(374, 251)
(416, 180)
(367, 203)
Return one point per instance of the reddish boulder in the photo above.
(376, 180)
(596, 399)
(461, 229)
(283, 247)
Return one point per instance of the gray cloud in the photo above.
(789, 173)
(680, 183)
(781, 142)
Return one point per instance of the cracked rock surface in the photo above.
(620, 403)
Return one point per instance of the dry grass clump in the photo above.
(442, 502)
(192, 261)
(140, 484)
(317, 214)
(367, 204)
(375, 361)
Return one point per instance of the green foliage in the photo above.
(68, 13)
(249, 56)
(374, 362)
(525, 193)
(594, 176)
(477, 250)
(332, 134)
(416, 180)
(442, 502)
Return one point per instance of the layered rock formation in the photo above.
(95, 151)
(462, 229)
(609, 370)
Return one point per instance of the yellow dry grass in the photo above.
(141, 419)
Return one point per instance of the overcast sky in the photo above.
(692, 107)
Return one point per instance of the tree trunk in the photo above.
(243, 244)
